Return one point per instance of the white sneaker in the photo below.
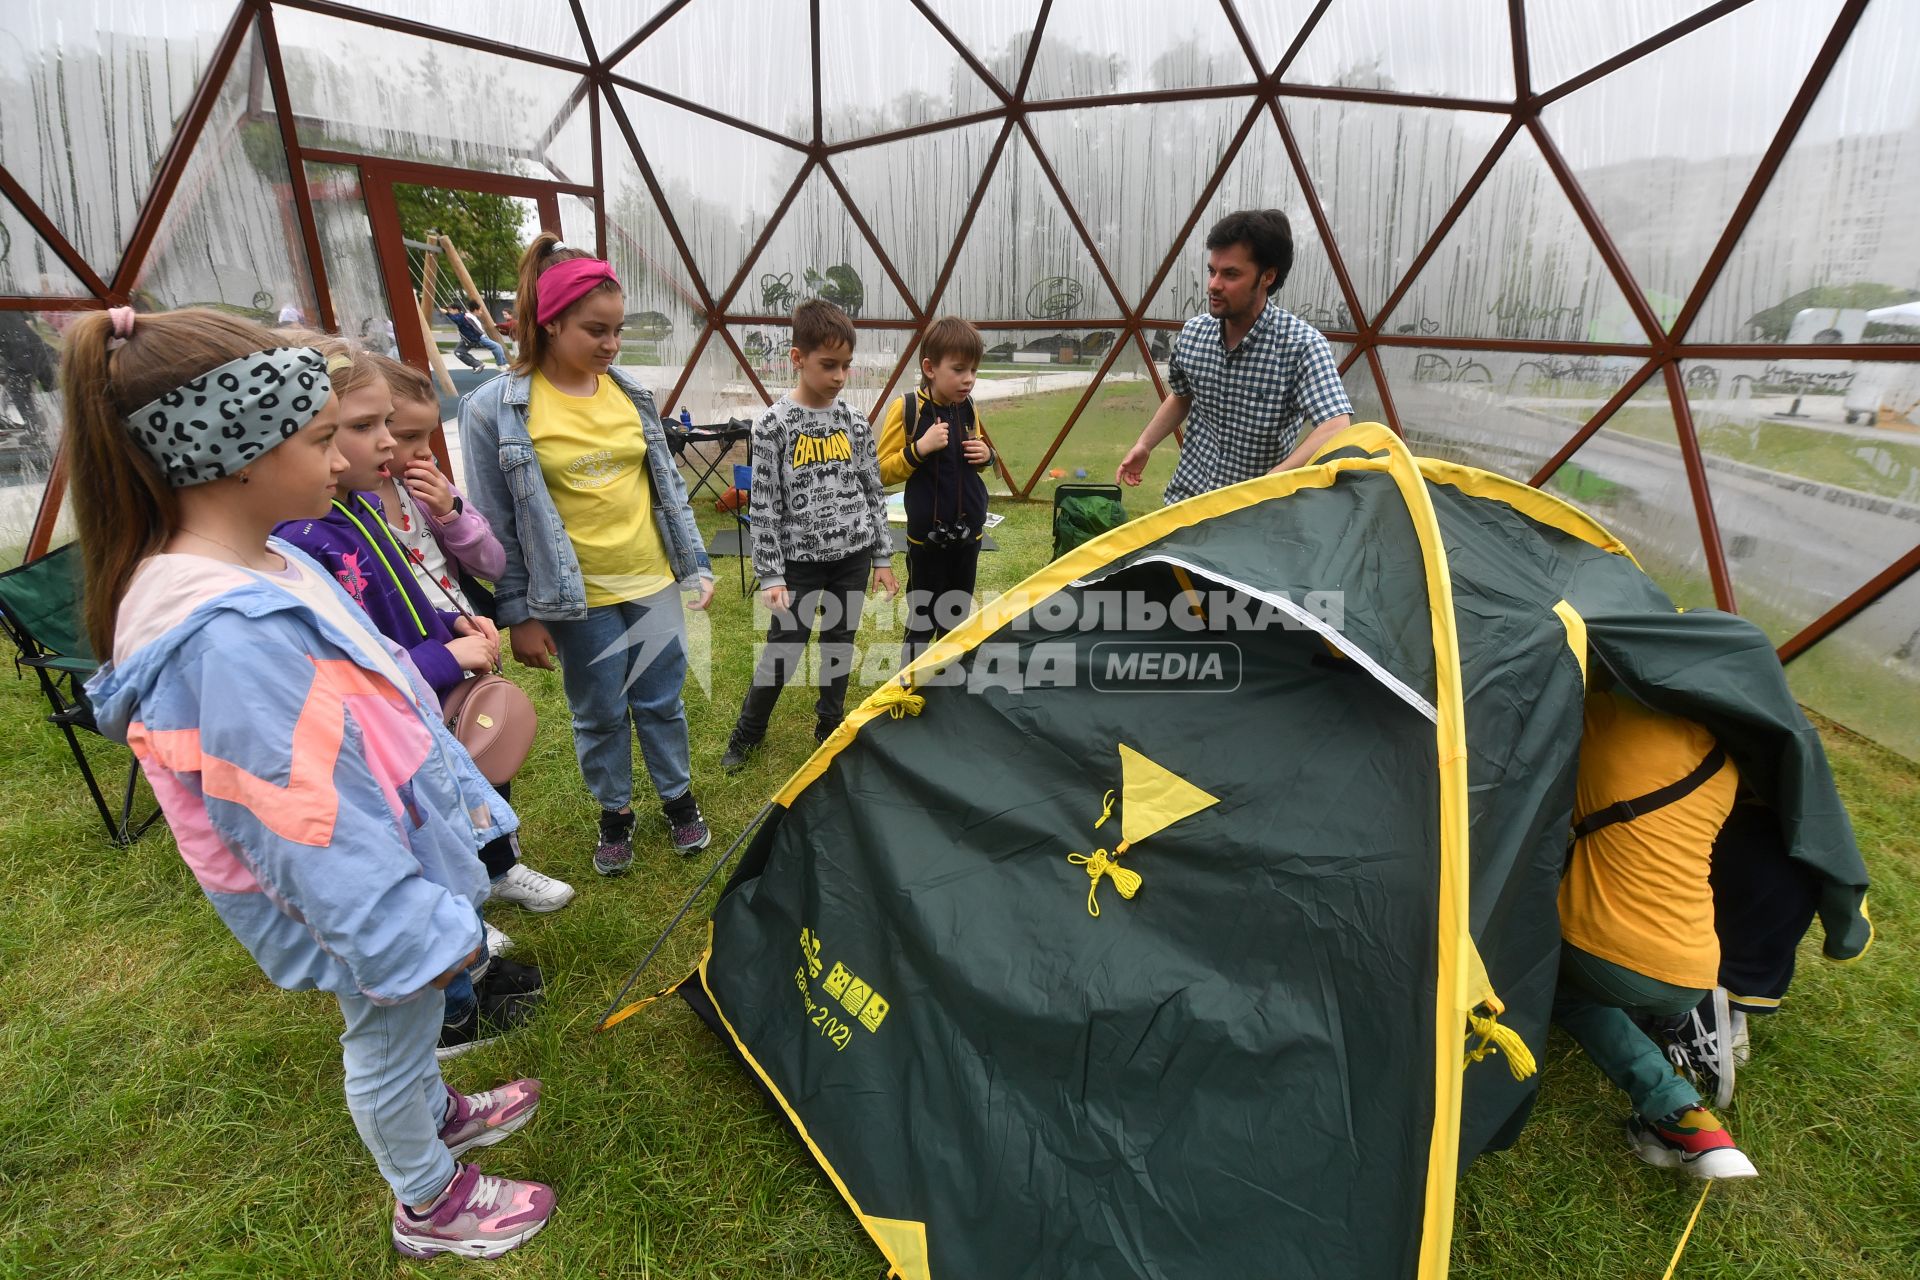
(498, 943)
(527, 888)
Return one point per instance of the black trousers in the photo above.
(835, 590)
(1763, 903)
(498, 854)
(939, 591)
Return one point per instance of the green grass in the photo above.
(1888, 468)
(164, 1110)
(1024, 428)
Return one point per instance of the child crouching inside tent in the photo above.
(1636, 916)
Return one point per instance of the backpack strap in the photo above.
(909, 413)
(1628, 810)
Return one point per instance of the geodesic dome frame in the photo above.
(1515, 266)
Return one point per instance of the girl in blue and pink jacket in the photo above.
(329, 817)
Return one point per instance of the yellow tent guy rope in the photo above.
(898, 700)
(1495, 1038)
(1101, 863)
(1681, 1248)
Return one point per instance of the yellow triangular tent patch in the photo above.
(904, 1243)
(1153, 797)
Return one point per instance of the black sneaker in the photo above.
(458, 1037)
(822, 731)
(688, 826)
(1699, 1043)
(502, 1011)
(738, 752)
(510, 978)
(614, 854)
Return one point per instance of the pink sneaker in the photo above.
(482, 1119)
(477, 1216)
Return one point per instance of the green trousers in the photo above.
(1592, 1002)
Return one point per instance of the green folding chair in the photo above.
(40, 612)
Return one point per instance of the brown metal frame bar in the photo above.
(632, 42)
(1468, 191)
(1856, 603)
(22, 302)
(423, 174)
(1627, 391)
(660, 202)
(1633, 53)
(1300, 38)
(1384, 391)
(695, 108)
(766, 234)
(1319, 214)
(51, 236)
(746, 366)
(966, 55)
(296, 166)
(1200, 206)
(1086, 397)
(391, 253)
(180, 150)
(966, 219)
(1816, 80)
(1610, 254)
(873, 242)
(915, 131)
(599, 174)
(1696, 468)
(686, 370)
(1073, 214)
(427, 31)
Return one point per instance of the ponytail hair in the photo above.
(122, 504)
(530, 337)
(349, 365)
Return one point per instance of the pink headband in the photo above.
(567, 282)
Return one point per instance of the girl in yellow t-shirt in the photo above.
(566, 457)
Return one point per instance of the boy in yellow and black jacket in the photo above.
(933, 440)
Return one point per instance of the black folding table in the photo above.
(704, 465)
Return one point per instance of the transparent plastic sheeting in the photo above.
(1060, 198)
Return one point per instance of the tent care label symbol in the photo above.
(845, 992)
(1152, 798)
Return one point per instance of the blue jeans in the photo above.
(395, 1093)
(499, 353)
(623, 666)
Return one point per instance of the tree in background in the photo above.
(486, 229)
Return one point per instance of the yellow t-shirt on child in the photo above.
(1636, 892)
(593, 456)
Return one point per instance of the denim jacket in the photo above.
(542, 578)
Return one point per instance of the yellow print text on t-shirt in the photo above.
(594, 470)
(808, 450)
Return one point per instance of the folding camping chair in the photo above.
(743, 521)
(40, 612)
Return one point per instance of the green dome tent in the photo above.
(1158, 921)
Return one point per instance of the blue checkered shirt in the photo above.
(1249, 403)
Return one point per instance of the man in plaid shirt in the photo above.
(1248, 373)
